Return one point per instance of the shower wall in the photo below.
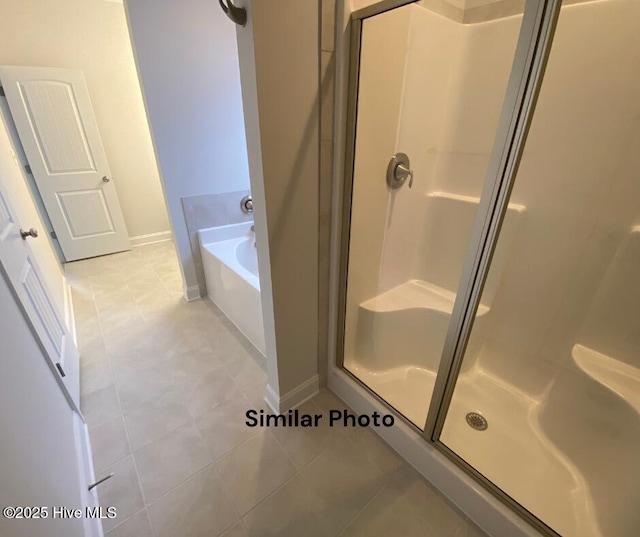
(553, 359)
(564, 326)
(379, 104)
(448, 132)
(433, 89)
(576, 182)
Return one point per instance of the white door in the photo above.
(58, 130)
(41, 449)
(18, 264)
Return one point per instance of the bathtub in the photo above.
(230, 263)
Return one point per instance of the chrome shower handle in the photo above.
(398, 170)
(402, 172)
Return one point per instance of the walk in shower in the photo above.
(491, 245)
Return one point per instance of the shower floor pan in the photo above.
(513, 452)
(398, 345)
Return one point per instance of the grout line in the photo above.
(127, 519)
(98, 315)
(241, 517)
(124, 424)
(283, 449)
(228, 496)
(353, 519)
(278, 488)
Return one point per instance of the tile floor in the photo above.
(164, 388)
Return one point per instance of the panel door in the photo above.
(18, 263)
(58, 130)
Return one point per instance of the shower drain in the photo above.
(477, 421)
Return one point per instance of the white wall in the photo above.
(187, 59)
(92, 35)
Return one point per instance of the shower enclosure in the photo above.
(491, 245)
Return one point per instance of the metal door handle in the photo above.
(105, 179)
(26, 234)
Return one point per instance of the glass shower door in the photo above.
(547, 405)
(430, 89)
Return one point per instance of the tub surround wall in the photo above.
(187, 60)
(206, 211)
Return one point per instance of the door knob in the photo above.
(31, 233)
(105, 179)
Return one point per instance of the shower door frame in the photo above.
(526, 76)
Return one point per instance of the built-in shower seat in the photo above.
(406, 326)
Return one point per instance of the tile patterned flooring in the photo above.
(164, 388)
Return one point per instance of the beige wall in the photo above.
(92, 35)
(325, 190)
(279, 63)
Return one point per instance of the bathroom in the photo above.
(403, 299)
(553, 326)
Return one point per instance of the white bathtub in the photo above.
(231, 271)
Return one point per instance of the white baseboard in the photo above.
(150, 238)
(294, 397)
(272, 399)
(191, 293)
